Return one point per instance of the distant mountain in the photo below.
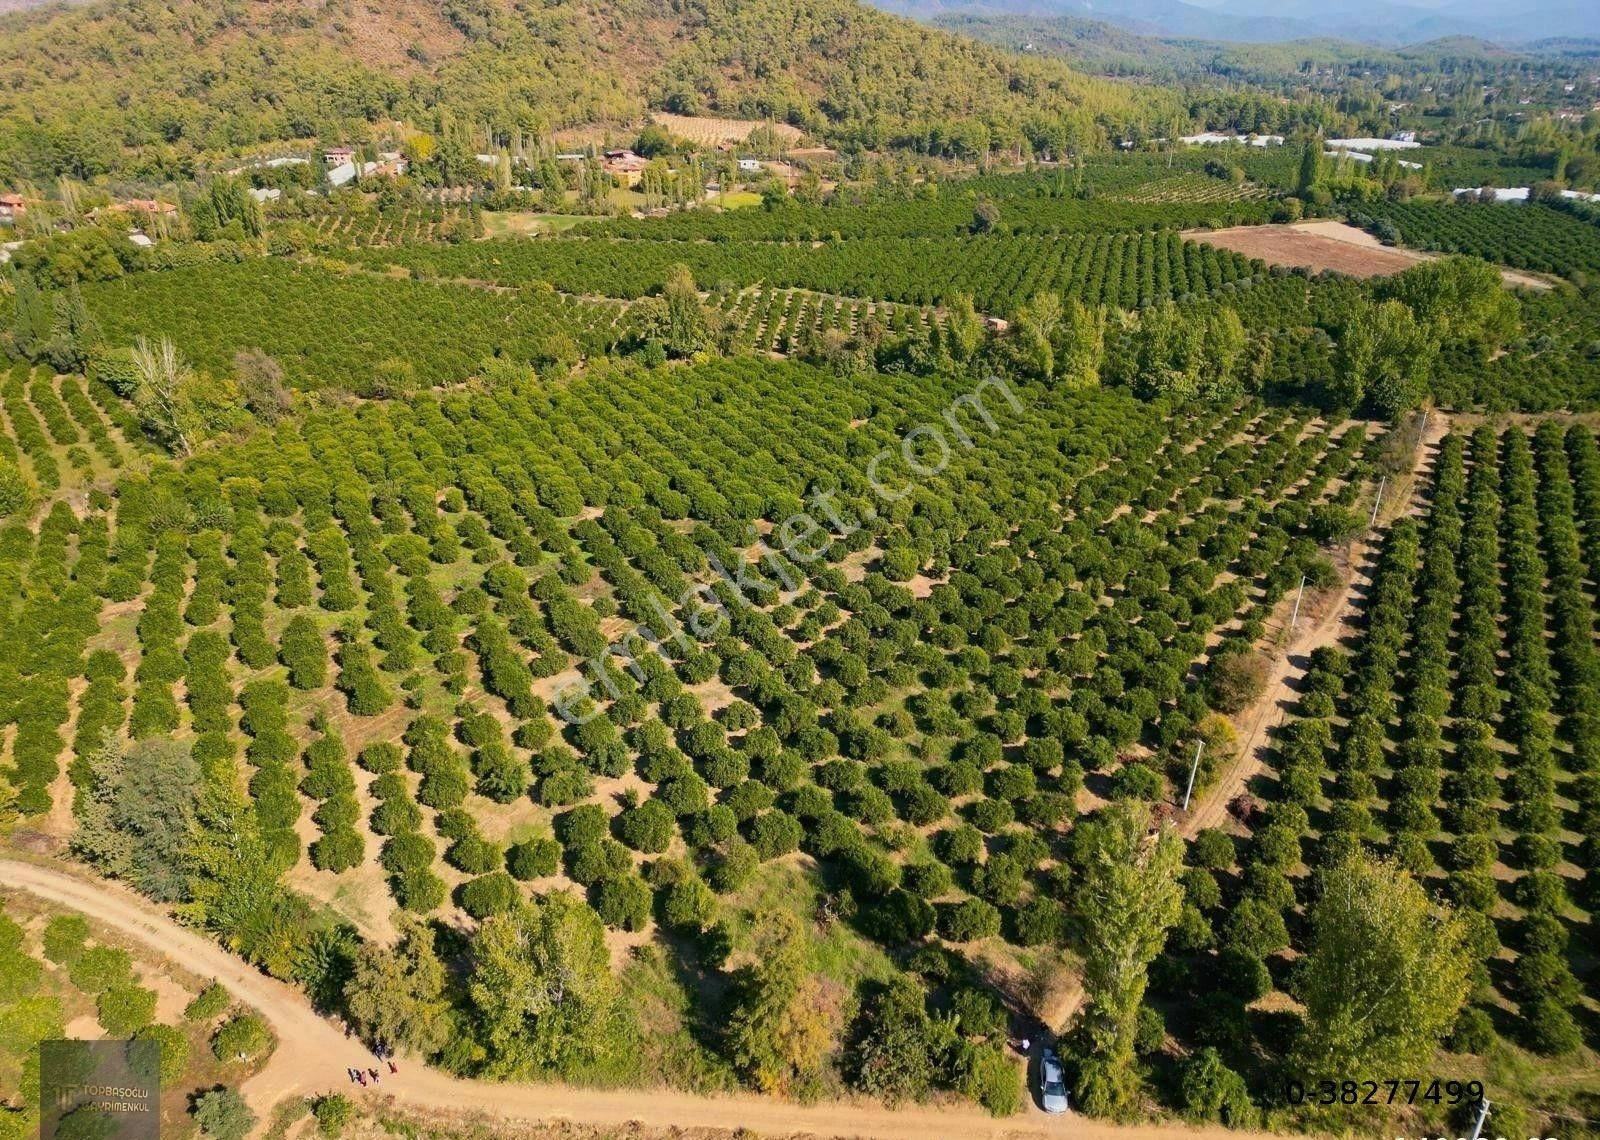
(1170, 18)
(1382, 22)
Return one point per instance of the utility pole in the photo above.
(1483, 1114)
(1377, 502)
(1193, 768)
(1295, 620)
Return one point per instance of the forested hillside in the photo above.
(145, 87)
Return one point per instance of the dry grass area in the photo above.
(1324, 245)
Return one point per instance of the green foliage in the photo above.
(1127, 898)
(305, 653)
(496, 65)
(16, 491)
(222, 1114)
(174, 1046)
(141, 812)
(64, 938)
(988, 1077)
(541, 984)
(489, 894)
(1234, 680)
(777, 1030)
(334, 1113)
(124, 1009)
(208, 1004)
(396, 995)
(894, 1053)
(99, 968)
(243, 1037)
(1385, 970)
(533, 858)
(1214, 1093)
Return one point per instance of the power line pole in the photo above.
(1483, 1114)
(1193, 768)
(1377, 502)
(1295, 620)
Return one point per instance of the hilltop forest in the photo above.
(148, 88)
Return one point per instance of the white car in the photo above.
(1052, 1086)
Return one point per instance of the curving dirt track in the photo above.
(313, 1055)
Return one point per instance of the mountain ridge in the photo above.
(146, 86)
(1371, 22)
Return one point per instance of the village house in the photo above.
(338, 155)
(12, 207)
(750, 166)
(623, 161)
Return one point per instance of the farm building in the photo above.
(12, 207)
(623, 162)
(338, 155)
(1375, 144)
(750, 165)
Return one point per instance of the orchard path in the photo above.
(1336, 622)
(313, 1055)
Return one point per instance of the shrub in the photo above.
(534, 858)
(339, 849)
(222, 1114)
(1233, 680)
(333, 1113)
(1212, 849)
(623, 901)
(173, 1047)
(304, 652)
(494, 893)
(64, 938)
(209, 1003)
(648, 827)
(1214, 1092)
(689, 905)
(968, 921)
(988, 1077)
(125, 1009)
(242, 1038)
(99, 968)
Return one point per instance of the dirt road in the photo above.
(313, 1055)
(1334, 620)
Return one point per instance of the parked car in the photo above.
(1052, 1085)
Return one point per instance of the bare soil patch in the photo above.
(1323, 245)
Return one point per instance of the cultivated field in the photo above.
(1324, 245)
(712, 131)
